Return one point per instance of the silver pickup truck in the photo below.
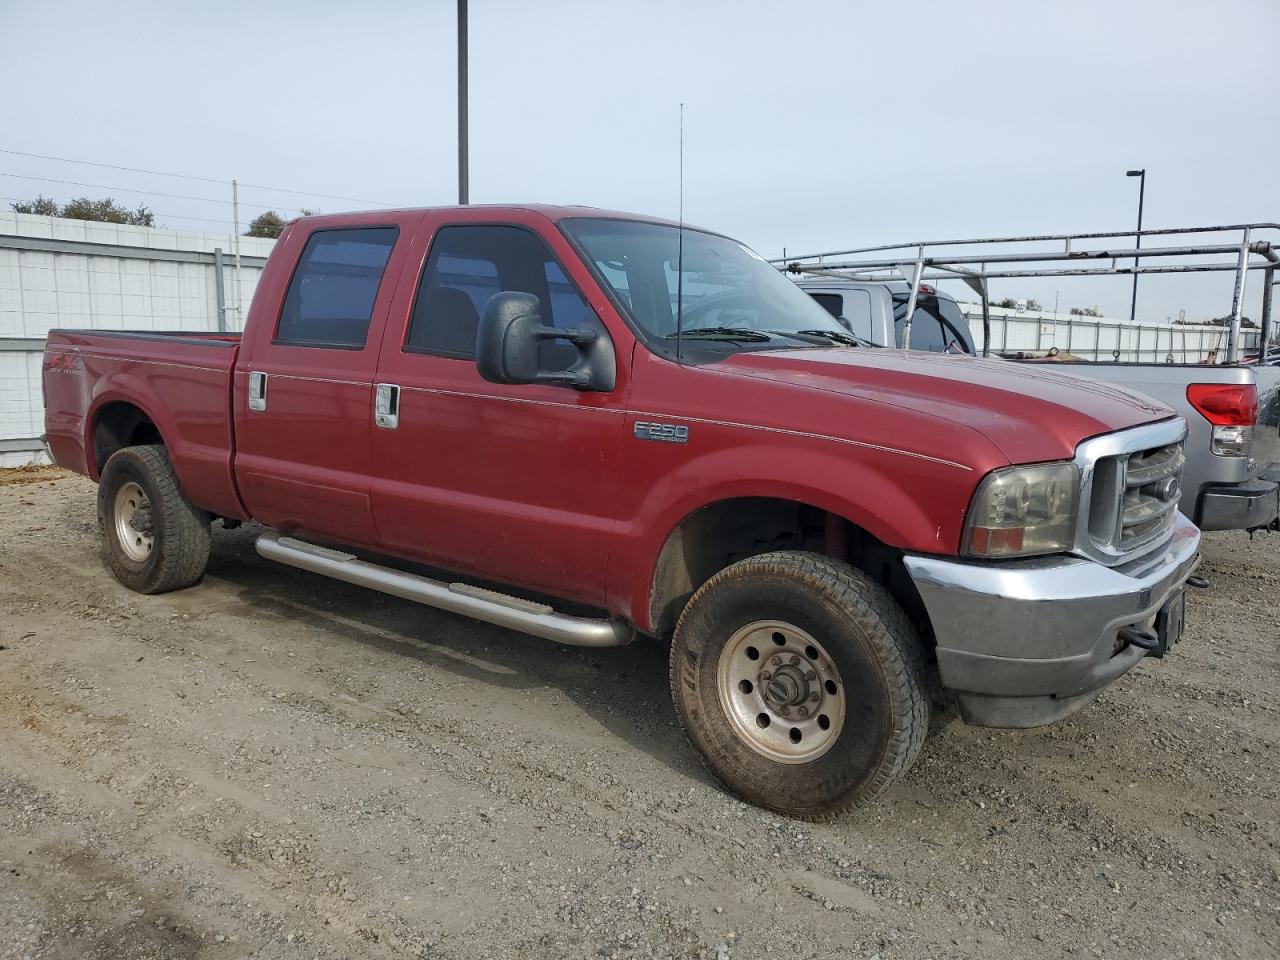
(1232, 476)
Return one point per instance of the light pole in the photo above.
(1142, 189)
(463, 186)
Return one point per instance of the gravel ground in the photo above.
(273, 765)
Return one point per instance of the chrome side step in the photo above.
(478, 603)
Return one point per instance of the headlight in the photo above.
(1022, 511)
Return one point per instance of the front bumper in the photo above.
(1028, 642)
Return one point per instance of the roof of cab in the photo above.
(553, 212)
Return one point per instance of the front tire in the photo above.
(153, 538)
(801, 682)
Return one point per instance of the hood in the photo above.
(1028, 412)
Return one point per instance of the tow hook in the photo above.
(1137, 637)
(1197, 581)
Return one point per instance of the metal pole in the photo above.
(219, 290)
(235, 248)
(463, 184)
(1142, 190)
(1237, 301)
(986, 316)
(1264, 336)
(911, 298)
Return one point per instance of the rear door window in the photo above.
(331, 295)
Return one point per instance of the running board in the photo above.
(478, 603)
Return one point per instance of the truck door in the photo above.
(512, 483)
(304, 381)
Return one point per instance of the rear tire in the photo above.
(801, 682)
(153, 538)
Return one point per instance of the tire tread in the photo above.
(902, 655)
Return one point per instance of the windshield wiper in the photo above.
(723, 333)
(830, 336)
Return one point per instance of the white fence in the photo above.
(56, 272)
(1102, 338)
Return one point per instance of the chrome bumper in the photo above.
(1028, 642)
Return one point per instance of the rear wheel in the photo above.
(801, 682)
(153, 538)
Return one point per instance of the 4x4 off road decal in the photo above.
(665, 432)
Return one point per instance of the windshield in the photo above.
(729, 295)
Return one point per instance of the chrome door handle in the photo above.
(257, 390)
(386, 406)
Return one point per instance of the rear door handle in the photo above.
(257, 390)
(386, 406)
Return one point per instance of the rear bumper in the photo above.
(1241, 506)
(1028, 642)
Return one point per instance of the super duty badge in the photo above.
(666, 432)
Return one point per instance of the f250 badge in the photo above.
(665, 432)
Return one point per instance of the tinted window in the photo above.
(833, 303)
(934, 325)
(468, 265)
(330, 298)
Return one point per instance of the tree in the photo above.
(41, 205)
(1034, 305)
(105, 210)
(1085, 312)
(1008, 303)
(269, 224)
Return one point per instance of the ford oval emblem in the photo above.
(1166, 489)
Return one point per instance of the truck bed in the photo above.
(181, 380)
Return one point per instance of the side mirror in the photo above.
(509, 343)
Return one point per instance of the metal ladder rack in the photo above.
(971, 260)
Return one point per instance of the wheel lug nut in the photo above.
(776, 661)
(803, 711)
(785, 711)
(795, 660)
(765, 676)
(813, 697)
(810, 675)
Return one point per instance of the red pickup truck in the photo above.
(608, 425)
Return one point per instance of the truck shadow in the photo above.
(624, 689)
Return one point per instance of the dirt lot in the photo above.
(273, 765)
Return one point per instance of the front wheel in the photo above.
(801, 682)
(153, 538)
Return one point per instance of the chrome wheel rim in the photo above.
(781, 691)
(133, 522)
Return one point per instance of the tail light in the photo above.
(1232, 409)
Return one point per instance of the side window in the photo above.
(331, 296)
(469, 264)
(833, 303)
(853, 305)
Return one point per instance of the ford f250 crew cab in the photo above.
(606, 425)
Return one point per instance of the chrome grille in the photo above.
(1130, 488)
(1151, 490)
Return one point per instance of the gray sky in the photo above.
(812, 125)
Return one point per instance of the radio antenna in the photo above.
(680, 246)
